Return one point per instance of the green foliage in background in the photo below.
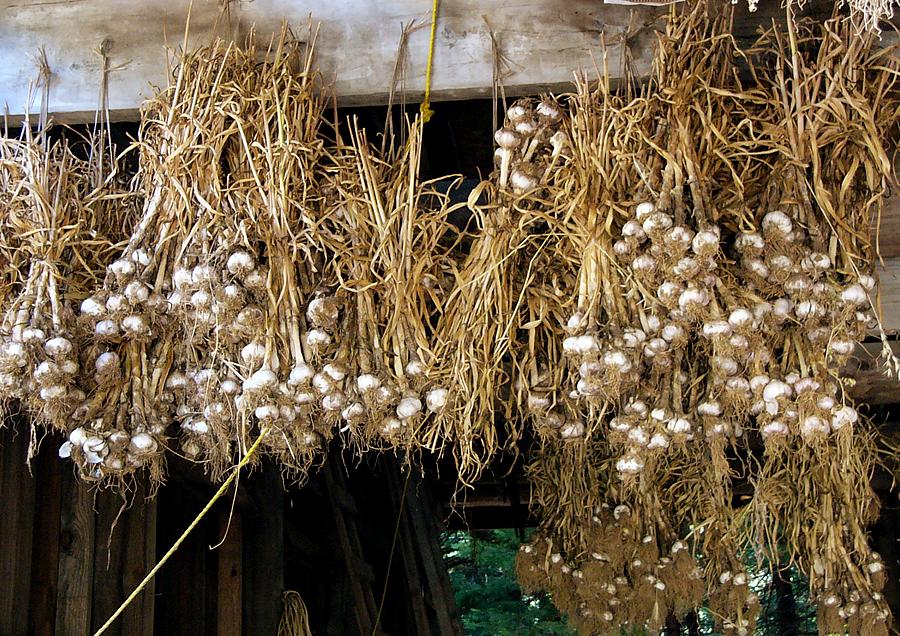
(490, 603)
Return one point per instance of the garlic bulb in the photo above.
(436, 399)
(408, 407)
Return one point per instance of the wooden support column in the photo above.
(364, 606)
(76, 557)
(125, 551)
(404, 552)
(48, 471)
(16, 527)
(230, 575)
(263, 552)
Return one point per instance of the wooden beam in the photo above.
(139, 558)
(48, 471)
(889, 292)
(125, 550)
(544, 42)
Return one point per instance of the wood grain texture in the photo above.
(230, 575)
(76, 558)
(263, 552)
(48, 471)
(889, 294)
(545, 41)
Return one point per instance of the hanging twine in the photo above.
(425, 107)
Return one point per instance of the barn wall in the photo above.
(69, 555)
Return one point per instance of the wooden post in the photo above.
(48, 470)
(140, 557)
(362, 603)
(426, 532)
(125, 549)
(263, 552)
(404, 551)
(16, 527)
(76, 558)
(230, 575)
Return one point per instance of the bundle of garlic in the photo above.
(721, 289)
(44, 211)
(199, 320)
(500, 293)
(387, 234)
(629, 578)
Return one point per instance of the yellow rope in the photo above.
(219, 493)
(425, 107)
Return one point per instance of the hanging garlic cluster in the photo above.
(486, 359)
(861, 611)
(388, 281)
(718, 296)
(45, 220)
(626, 579)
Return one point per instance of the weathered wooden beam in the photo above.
(48, 473)
(871, 384)
(889, 293)
(544, 41)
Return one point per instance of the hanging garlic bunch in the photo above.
(386, 234)
(45, 222)
(499, 288)
(625, 579)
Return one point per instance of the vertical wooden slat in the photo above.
(109, 551)
(76, 558)
(180, 605)
(230, 575)
(16, 528)
(404, 552)
(263, 553)
(139, 558)
(363, 607)
(425, 511)
(45, 550)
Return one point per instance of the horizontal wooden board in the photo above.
(544, 41)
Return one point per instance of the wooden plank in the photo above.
(124, 551)
(406, 548)
(181, 586)
(109, 552)
(545, 41)
(889, 291)
(872, 384)
(230, 575)
(16, 527)
(45, 549)
(139, 558)
(887, 230)
(263, 552)
(434, 520)
(362, 603)
(428, 546)
(76, 558)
